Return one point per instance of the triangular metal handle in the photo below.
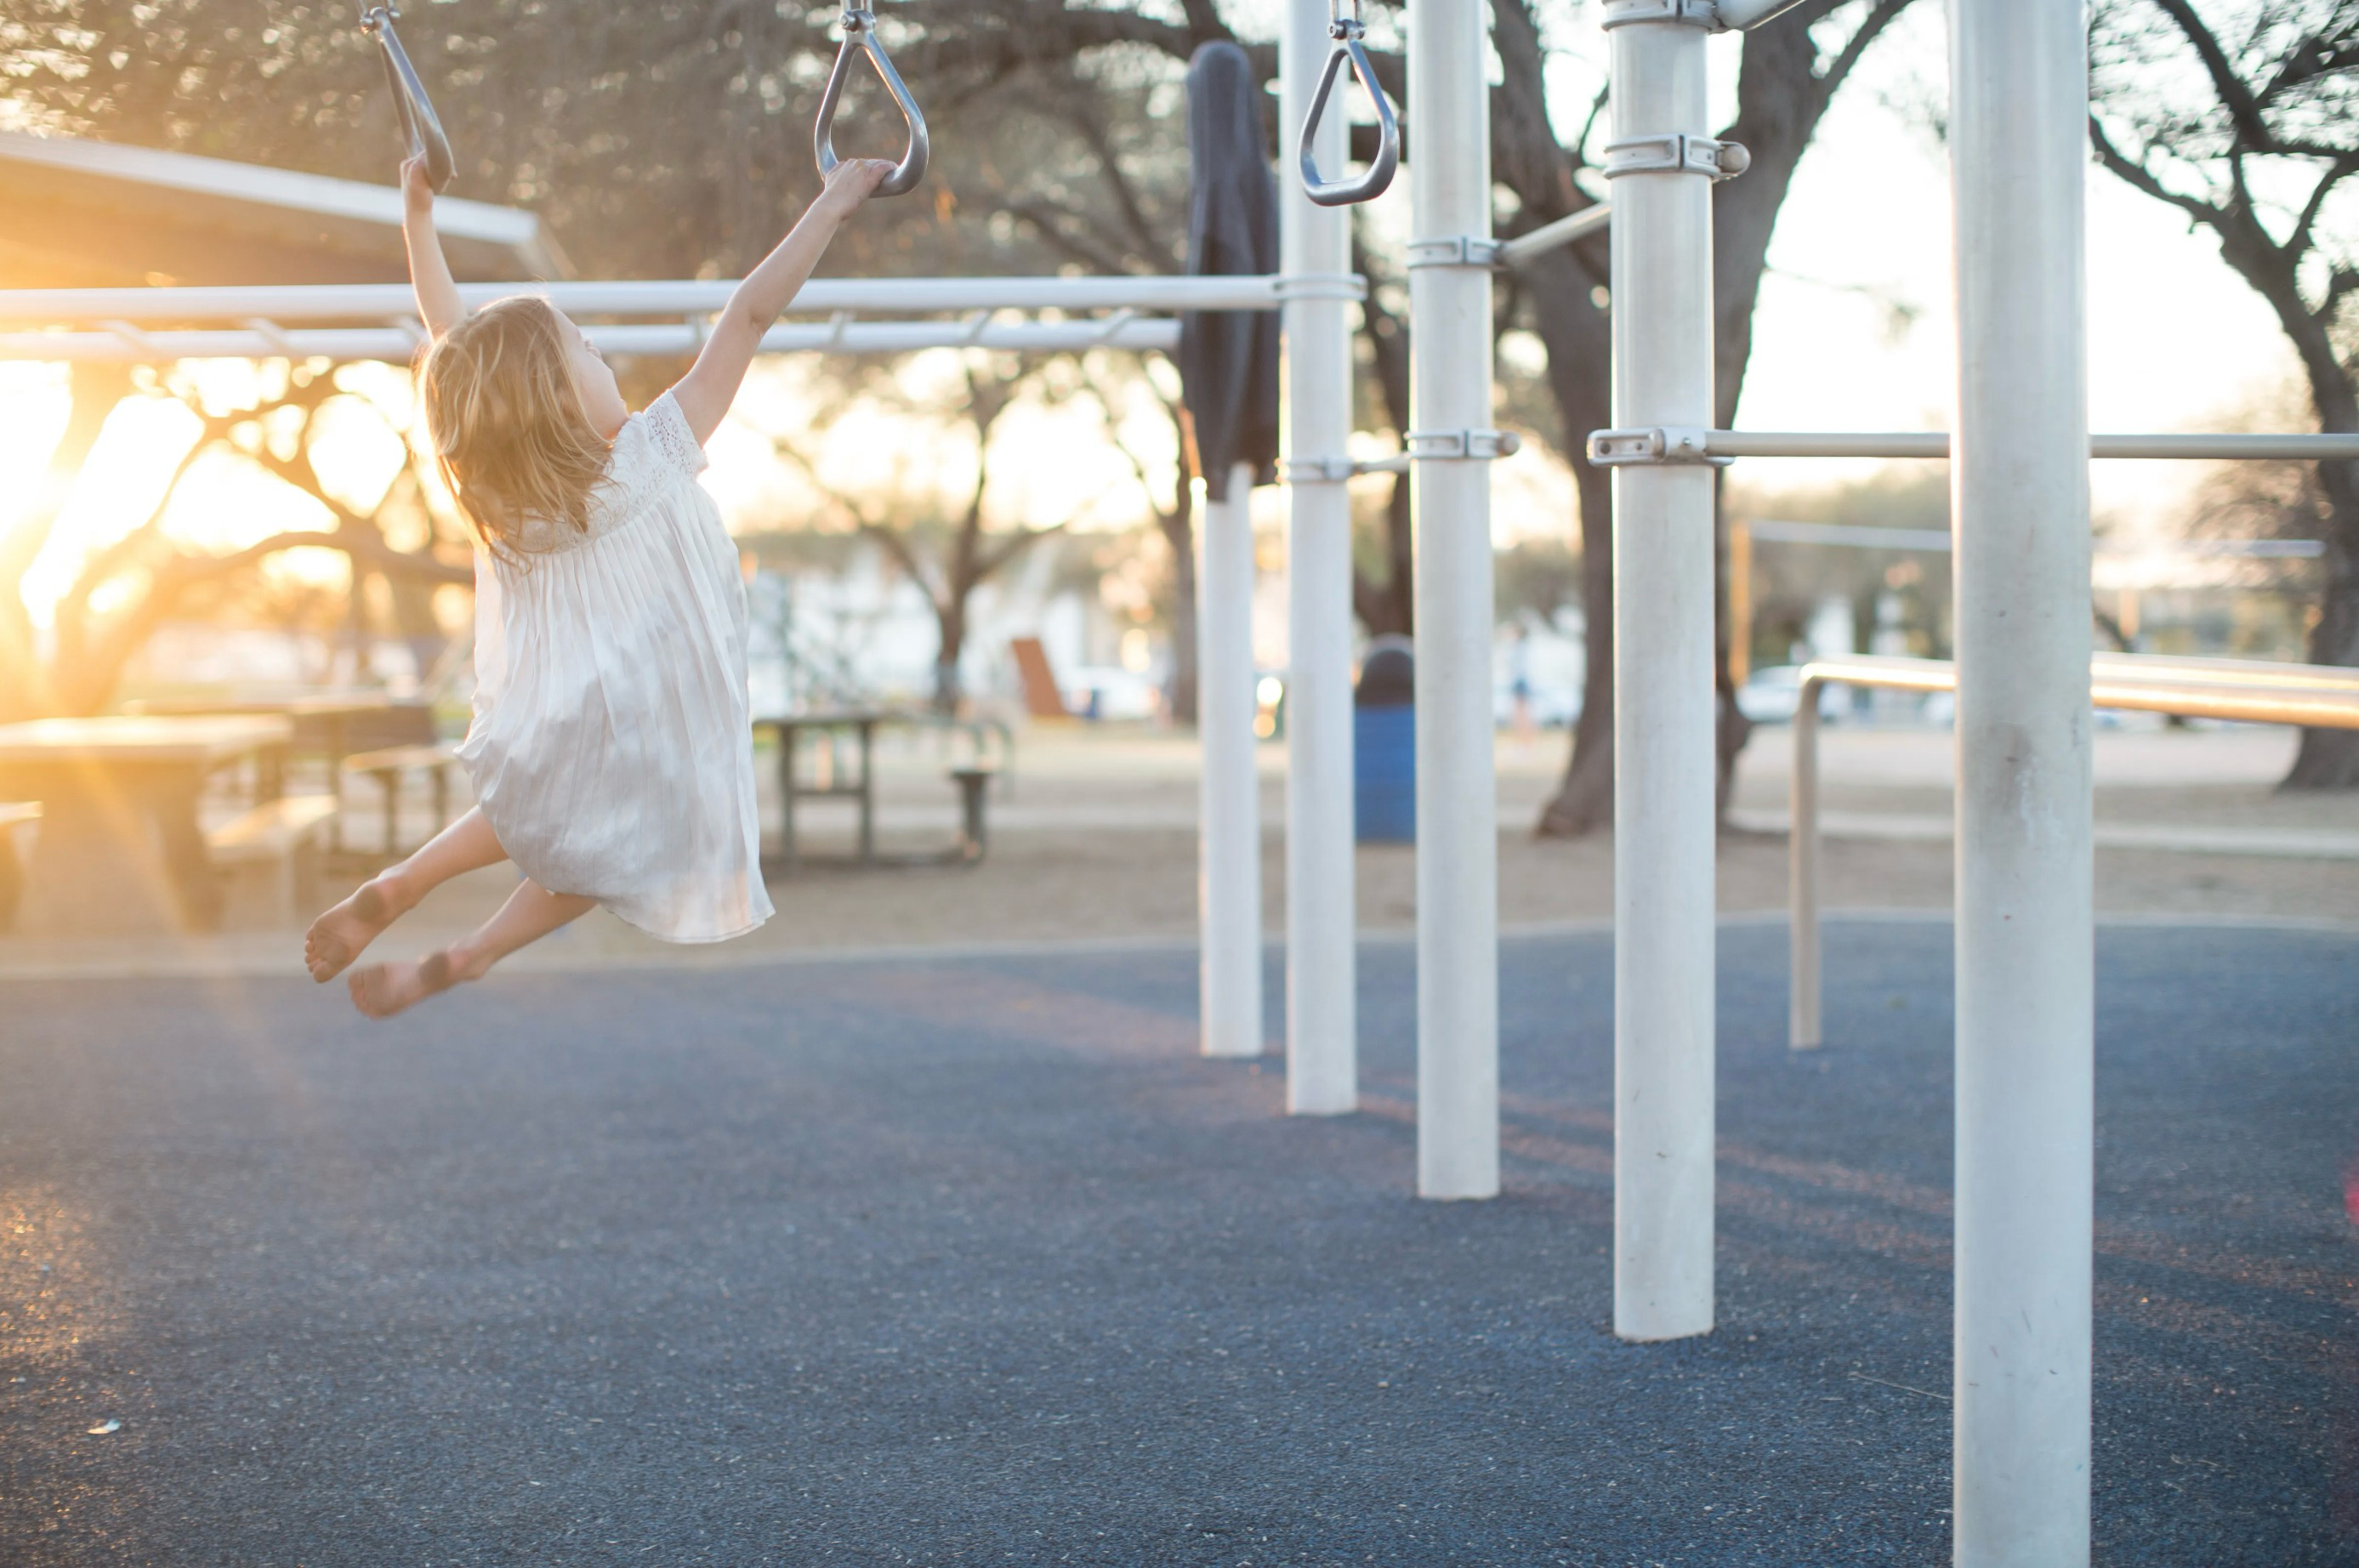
(1372, 181)
(420, 126)
(860, 37)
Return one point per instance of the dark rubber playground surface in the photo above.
(973, 1261)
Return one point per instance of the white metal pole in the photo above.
(2019, 95)
(1457, 836)
(1663, 704)
(1803, 1032)
(1228, 885)
(1321, 1012)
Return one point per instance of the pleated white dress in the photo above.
(612, 747)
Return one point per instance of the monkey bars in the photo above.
(379, 320)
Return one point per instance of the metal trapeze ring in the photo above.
(860, 37)
(420, 126)
(1380, 173)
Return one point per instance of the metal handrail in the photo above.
(2246, 690)
(860, 39)
(1372, 181)
(420, 126)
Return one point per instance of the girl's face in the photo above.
(593, 380)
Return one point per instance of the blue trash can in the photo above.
(1383, 736)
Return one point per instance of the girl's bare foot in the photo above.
(337, 937)
(382, 990)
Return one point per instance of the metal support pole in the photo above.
(1228, 883)
(1457, 836)
(2018, 74)
(1803, 1029)
(1322, 1013)
(1664, 830)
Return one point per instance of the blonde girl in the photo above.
(611, 747)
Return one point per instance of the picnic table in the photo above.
(831, 779)
(322, 724)
(120, 848)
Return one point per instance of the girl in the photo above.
(611, 749)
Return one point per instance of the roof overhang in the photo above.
(84, 213)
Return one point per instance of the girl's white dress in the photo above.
(612, 747)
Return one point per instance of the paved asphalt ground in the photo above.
(937, 1261)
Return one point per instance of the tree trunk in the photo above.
(95, 389)
(1584, 799)
(2328, 759)
(1179, 527)
(949, 689)
(1388, 605)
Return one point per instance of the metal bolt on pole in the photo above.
(1457, 834)
(1321, 1015)
(2018, 75)
(1228, 892)
(1664, 830)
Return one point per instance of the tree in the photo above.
(1174, 520)
(947, 552)
(133, 584)
(2245, 118)
(1790, 71)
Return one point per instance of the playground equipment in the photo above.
(1349, 50)
(379, 320)
(2024, 920)
(2024, 931)
(2246, 690)
(420, 127)
(860, 39)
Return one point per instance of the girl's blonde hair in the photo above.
(508, 429)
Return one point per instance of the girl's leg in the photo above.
(531, 912)
(337, 937)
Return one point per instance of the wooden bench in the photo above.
(269, 860)
(13, 815)
(391, 766)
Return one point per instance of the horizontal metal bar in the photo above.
(1936, 444)
(2246, 672)
(1138, 334)
(1856, 536)
(1936, 542)
(678, 297)
(1551, 236)
(2248, 692)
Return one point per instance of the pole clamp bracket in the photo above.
(1335, 470)
(1346, 286)
(1683, 13)
(1479, 446)
(1315, 470)
(1652, 448)
(1675, 154)
(1455, 250)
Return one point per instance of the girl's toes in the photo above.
(337, 937)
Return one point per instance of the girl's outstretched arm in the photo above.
(429, 274)
(711, 385)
